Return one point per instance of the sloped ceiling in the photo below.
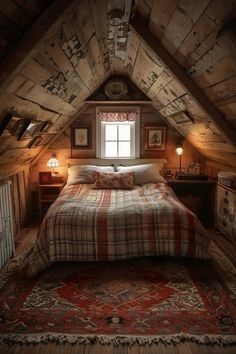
(65, 57)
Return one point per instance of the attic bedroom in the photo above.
(117, 176)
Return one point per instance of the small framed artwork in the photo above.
(155, 138)
(80, 137)
(40, 140)
(182, 118)
(32, 129)
(4, 125)
(45, 177)
(21, 128)
(45, 126)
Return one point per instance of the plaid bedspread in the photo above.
(87, 225)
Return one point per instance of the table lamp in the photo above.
(179, 151)
(52, 163)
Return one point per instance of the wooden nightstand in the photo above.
(48, 193)
(198, 196)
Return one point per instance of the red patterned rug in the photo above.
(144, 300)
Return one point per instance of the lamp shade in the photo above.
(53, 162)
(179, 150)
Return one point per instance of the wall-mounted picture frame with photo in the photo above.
(45, 126)
(13, 126)
(155, 138)
(80, 137)
(182, 118)
(40, 140)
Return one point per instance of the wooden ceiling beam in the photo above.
(17, 56)
(153, 43)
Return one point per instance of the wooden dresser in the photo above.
(226, 211)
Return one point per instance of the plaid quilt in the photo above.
(85, 224)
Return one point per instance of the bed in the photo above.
(86, 224)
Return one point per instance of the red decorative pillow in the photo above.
(114, 180)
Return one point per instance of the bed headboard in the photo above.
(108, 162)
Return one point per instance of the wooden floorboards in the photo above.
(50, 348)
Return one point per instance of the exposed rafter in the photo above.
(216, 116)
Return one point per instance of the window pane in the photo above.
(110, 132)
(111, 149)
(124, 149)
(124, 132)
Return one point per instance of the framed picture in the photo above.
(4, 125)
(80, 137)
(40, 140)
(182, 118)
(155, 138)
(45, 177)
(45, 126)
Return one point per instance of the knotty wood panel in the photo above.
(148, 116)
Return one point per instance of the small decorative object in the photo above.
(22, 128)
(81, 137)
(33, 128)
(182, 118)
(45, 177)
(52, 163)
(4, 122)
(194, 168)
(40, 140)
(45, 126)
(35, 142)
(116, 89)
(155, 138)
(179, 151)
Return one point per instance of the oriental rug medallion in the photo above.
(144, 300)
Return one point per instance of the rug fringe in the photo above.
(117, 340)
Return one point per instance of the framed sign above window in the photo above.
(155, 138)
(182, 118)
(80, 137)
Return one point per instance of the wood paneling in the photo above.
(148, 117)
(62, 58)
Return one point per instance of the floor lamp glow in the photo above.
(179, 151)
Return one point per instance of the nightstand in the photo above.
(198, 196)
(48, 193)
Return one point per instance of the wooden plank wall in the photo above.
(62, 146)
(83, 48)
(193, 33)
(64, 68)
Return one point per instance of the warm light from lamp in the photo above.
(53, 162)
(179, 150)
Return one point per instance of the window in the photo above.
(116, 136)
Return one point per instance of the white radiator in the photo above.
(7, 245)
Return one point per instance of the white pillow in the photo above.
(80, 174)
(147, 173)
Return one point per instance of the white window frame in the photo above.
(135, 131)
